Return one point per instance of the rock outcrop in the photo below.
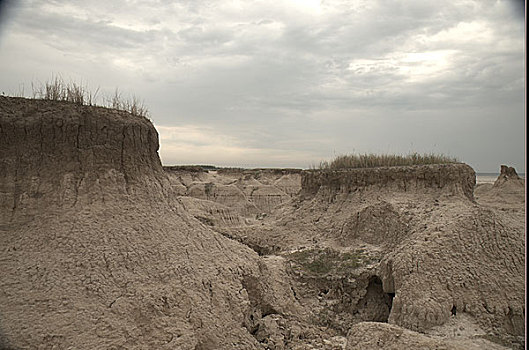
(506, 194)
(507, 174)
(54, 154)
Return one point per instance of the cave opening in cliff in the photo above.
(376, 304)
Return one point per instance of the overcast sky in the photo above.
(288, 83)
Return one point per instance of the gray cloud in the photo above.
(312, 78)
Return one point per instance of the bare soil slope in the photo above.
(94, 253)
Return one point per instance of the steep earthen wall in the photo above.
(453, 178)
(51, 152)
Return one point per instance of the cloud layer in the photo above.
(292, 82)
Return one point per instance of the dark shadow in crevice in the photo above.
(390, 298)
(376, 305)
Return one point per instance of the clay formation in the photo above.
(102, 247)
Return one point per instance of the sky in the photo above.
(289, 83)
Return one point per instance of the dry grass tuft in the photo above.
(351, 161)
(56, 89)
(133, 105)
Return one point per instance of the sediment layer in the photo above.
(451, 178)
(53, 152)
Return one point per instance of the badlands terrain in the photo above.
(101, 247)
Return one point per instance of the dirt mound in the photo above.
(94, 253)
(370, 335)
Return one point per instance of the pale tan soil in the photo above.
(370, 335)
(102, 248)
(95, 254)
(409, 228)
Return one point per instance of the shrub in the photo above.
(321, 261)
(133, 105)
(56, 89)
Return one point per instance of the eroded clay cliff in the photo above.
(94, 253)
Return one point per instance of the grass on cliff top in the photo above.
(56, 89)
(353, 161)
